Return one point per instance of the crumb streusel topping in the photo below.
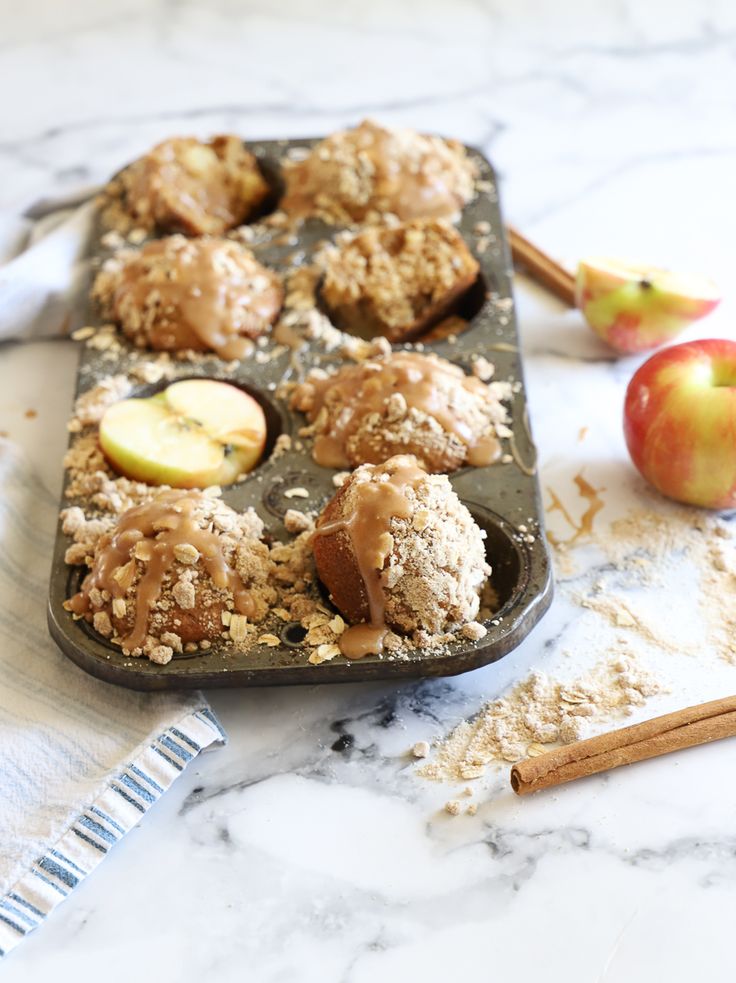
(176, 293)
(399, 403)
(182, 565)
(186, 185)
(370, 171)
(398, 550)
(397, 280)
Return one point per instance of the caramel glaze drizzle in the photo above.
(419, 379)
(219, 311)
(375, 504)
(401, 184)
(161, 525)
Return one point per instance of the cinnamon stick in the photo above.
(542, 267)
(694, 725)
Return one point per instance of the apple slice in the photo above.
(193, 434)
(634, 308)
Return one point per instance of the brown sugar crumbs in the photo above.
(537, 713)
(370, 172)
(185, 185)
(396, 280)
(179, 294)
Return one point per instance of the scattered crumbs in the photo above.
(151, 371)
(539, 712)
(583, 433)
(483, 369)
(420, 749)
(282, 445)
(644, 543)
(453, 807)
(82, 334)
(296, 493)
(472, 809)
(31, 414)
(296, 522)
(90, 406)
(474, 631)
(324, 653)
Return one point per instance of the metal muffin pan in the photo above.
(504, 498)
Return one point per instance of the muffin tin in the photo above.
(504, 498)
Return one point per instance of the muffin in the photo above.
(187, 185)
(397, 281)
(399, 554)
(176, 293)
(363, 174)
(182, 569)
(401, 403)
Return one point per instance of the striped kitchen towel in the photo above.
(80, 761)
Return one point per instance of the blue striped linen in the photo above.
(80, 761)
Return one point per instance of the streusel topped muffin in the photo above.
(187, 185)
(401, 403)
(370, 171)
(397, 280)
(201, 294)
(181, 568)
(398, 551)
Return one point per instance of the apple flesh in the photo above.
(193, 434)
(637, 308)
(680, 422)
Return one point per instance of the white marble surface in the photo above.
(280, 859)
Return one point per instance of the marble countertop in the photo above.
(292, 855)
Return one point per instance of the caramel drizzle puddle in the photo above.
(584, 527)
(368, 528)
(416, 378)
(163, 524)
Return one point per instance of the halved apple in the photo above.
(634, 308)
(195, 433)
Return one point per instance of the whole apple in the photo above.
(680, 422)
(636, 308)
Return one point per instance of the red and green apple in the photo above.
(636, 308)
(680, 422)
(193, 434)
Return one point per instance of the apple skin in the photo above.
(193, 434)
(635, 309)
(680, 422)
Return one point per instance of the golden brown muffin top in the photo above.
(178, 553)
(177, 293)
(394, 277)
(398, 402)
(187, 185)
(365, 173)
(397, 549)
